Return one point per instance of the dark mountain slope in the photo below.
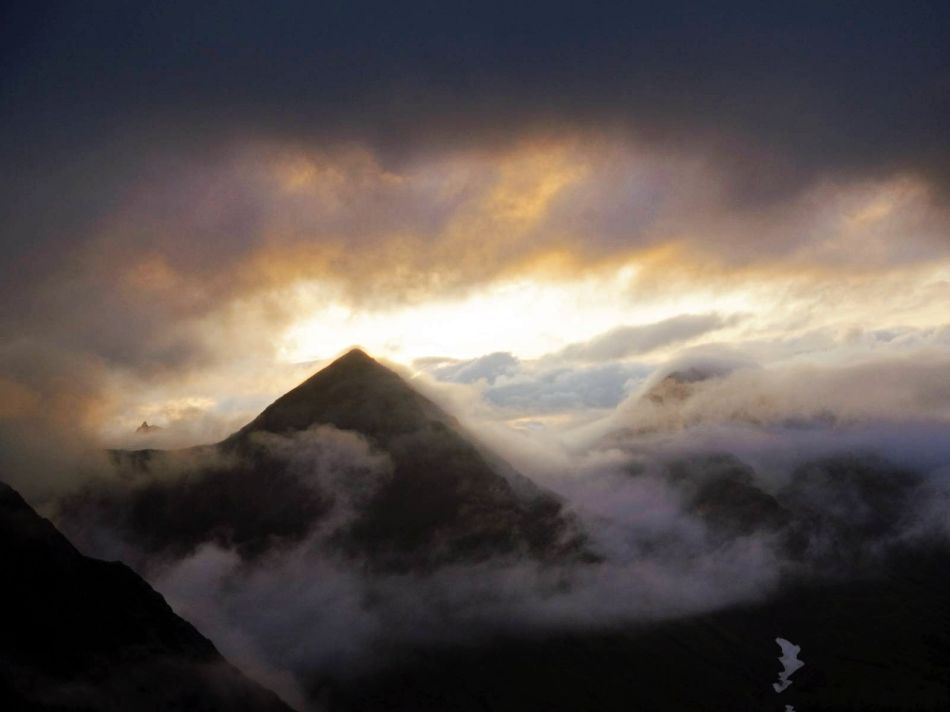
(720, 489)
(841, 513)
(82, 634)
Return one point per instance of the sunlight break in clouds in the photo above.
(527, 317)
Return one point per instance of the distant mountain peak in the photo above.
(145, 428)
(680, 384)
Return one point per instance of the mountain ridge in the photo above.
(81, 633)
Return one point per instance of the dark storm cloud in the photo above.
(804, 87)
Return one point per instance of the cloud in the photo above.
(781, 94)
(48, 421)
(335, 463)
(302, 613)
(199, 257)
(591, 375)
(485, 368)
(544, 390)
(906, 388)
(538, 387)
(625, 341)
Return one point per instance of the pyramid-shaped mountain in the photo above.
(444, 499)
(79, 633)
(356, 393)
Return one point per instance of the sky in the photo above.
(531, 211)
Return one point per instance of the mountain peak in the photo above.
(355, 392)
(354, 361)
(355, 355)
